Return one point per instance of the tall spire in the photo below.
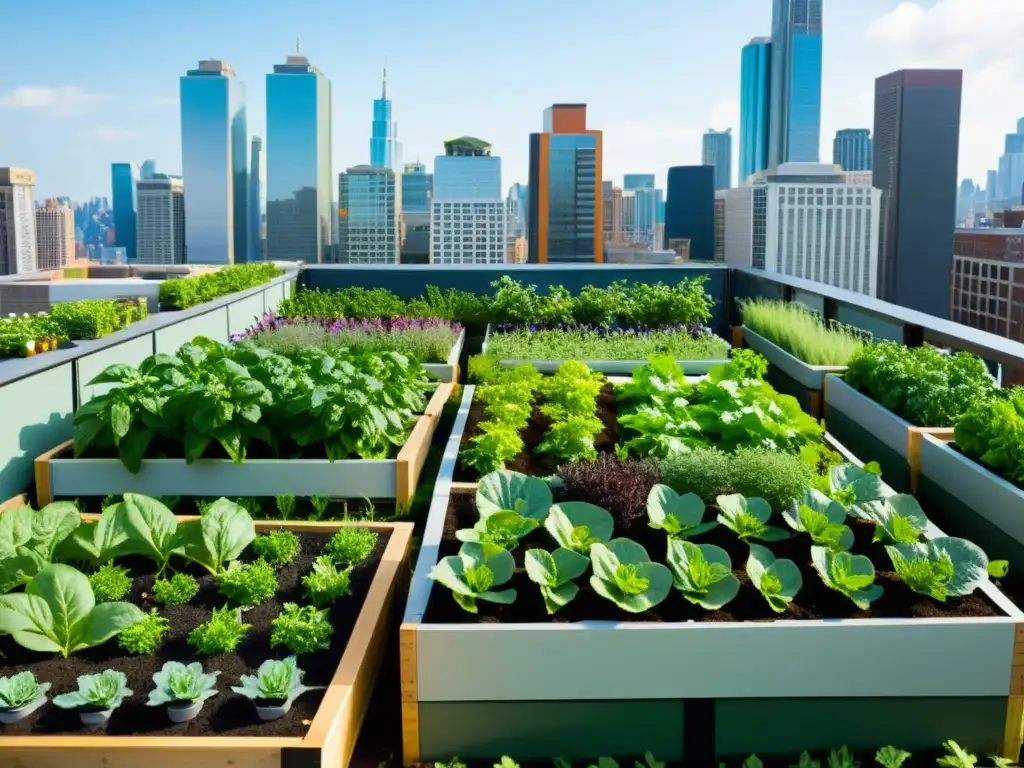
(297, 51)
(384, 83)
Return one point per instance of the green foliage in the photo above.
(143, 637)
(945, 566)
(512, 491)
(703, 573)
(594, 344)
(177, 682)
(842, 758)
(351, 545)
(852, 575)
(474, 572)
(554, 573)
(746, 364)
(777, 580)
(625, 575)
(806, 761)
(320, 504)
(507, 406)
(177, 590)
(800, 332)
(20, 690)
(577, 525)
(221, 634)
(956, 756)
(483, 369)
(103, 691)
(285, 504)
(219, 537)
(29, 540)
(111, 582)
(275, 682)
(95, 318)
(991, 432)
(921, 384)
(248, 585)
(502, 529)
(278, 548)
(57, 613)
(748, 518)
(891, 757)
(185, 292)
(570, 402)
(681, 517)
(898, 519)
(821, 518)
(325, 583)
(28, 335)
(302, 629)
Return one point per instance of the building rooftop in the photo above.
(467, 145)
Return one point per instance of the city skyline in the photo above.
(107, 124)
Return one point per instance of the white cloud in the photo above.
(60, 99)
(163, 101)
(112, 133)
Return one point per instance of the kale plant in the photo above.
(474, 572)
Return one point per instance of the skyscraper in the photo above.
(717, 151)
(55, 235)
(467, 217)
(123, 179)
(214, 158)
(299, 194)
(690, 212)
(566, 192)
(148, 171)
(257, 191)
(385, 150)
(638, 181)
(417, 190)
(17, 221)
(417, 186)
(852, 150)
(917, 140)
(369, 208)
(161, 220)
(755, 106)
(794, 132)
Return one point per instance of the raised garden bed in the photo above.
(448, 371)
(58, 475)
(319, 730)
(683, 681)
(808, 381)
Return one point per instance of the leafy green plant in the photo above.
(849, 484)
(891, 757)
(185, 292)
(145, 636)
(748, 518)
(554, 573)
(502, 491)
(703, 573)
(320, 504)
(111, 582)
(852, 575)
(473, 574)
(219, 537)
(778, 580)
(502, 529)
(576, 525)
(221, 634)
(249, 584)
(800, 332)
(956, 756)
(991, 432)
(940, 568)
(177, 590)
(285, 504)
(301, 629)
(842, 758)
(898, 519)
(101, 692)
(275, 682)
(29, 539)
(150, 528)
(624, 574)
(177, 682)
(351, 546)
(603, 344)
(20, 690)
(806, 761)
(680, 516)
(325, 583)
(822, 519)
(57, 613)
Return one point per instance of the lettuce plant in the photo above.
(474, 572)
(301, 629)
(221, 633)
(842, 758)
(624, 574)
(748, 518)
(177, 682)
(853, 575)
(103, 691)
(277, 682)
(822, 519)
(680, 516)
(503, 491)
(777, 580)
(940, 568)
(703, 573)
(576, 525)
(325, 583)
(20, 690)
(898, 519)
(891, 757)
(553, 572)
(502, 529)
(57, 613)
(850, 484)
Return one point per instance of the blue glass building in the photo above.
(690, 211)
(214, 159)
(794, 132)
(716, 151)
(123, 177)
(385, 150)
(755, 106)
(417, 187)
(851, 149)
(299, 184)
(257, 184)
(638, 181)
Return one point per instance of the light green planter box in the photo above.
(448, 371)
(811, 377)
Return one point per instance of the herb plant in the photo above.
(285, 504)
(777, 580)
(748, 518)
(111, 582)
(143, 637)
(624, 574)
(577, 525)
(800, 332)
(852, 575)
(275, 682)
(822, 519)
(617, 484)
(221, 634)
(501, 529)
(498, 441)
(474, 573)
(249, 584)
(898, 519)
(350, 546)
(681, 517)
(842, 758)
(602, 343)
(703, 573)
(103, 691)
(325, 583)
(20, 690)
(554, 572)
(320, 504)
(301, 629)
(991, 432)
(806, 761)
(177, 590)
(891, 757)
(940, 568)
(177, 682)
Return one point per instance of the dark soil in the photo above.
(530, 461)
(227, 713)
(814, 600)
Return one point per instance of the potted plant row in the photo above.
(27, 335)
(244, 421)
(146, 630)
(185, 292)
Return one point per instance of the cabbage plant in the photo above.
(703, 573)
(502, 529)
(503, 491)
(940, 568)
(680, 516)
(20, 690)
(778, 580)
(853, 575)
(554, 572)
(275, 681)
(898, 519)
(103, 691)
(624, 574)
(851, 484)
(748, 518)
(474, 572)
(821, 518)
(576, 525)
(177, 682)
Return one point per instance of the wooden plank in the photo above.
(1013, 734)
(42, 472)
(438, 400)
(410, 703)
(84, 755)
(817, 403)
(465, 489)
(21, 500)
(737, 336)
(915, 436)
(414, 453)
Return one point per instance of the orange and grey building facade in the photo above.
(566, 220)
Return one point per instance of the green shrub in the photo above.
(142, 638)
(992, 433)
(95, 318)
(351, 546)
(177, 590)
(249, 584)
(278, 548)
(221, 634)
(185, 292)
(800, 332)
(302, 629)
(110, 583)
(326, 582)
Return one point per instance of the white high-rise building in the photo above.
(468, 217)
(17, 221)
(160, 221)
(369, 216)
(55, 235)
(806, 220)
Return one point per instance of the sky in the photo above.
(98, 83)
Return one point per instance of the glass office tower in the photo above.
(755, 106)
(717, 151)
(417, 187)
(369, 205)
(638, 181)
(124, 177)
(385, 150)
(214, 158)
(851, 149)
(794, 133)
(257, 187)
(299, 187)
